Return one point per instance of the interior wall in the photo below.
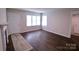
(59, 22)
(17, 21)
(3, 16)
(1, 46)
(3, 22)
(72, 30)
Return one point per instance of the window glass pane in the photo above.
(44, 21)
(33, 20)
(28, 20)
(38, 20)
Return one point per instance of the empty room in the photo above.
(39, 29)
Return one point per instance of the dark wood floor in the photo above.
(45, 41)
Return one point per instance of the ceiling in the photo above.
(39, 10)
(43, 10)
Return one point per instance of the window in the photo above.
(38, 20)
(44, 20)
(28, 20)
(32, 20)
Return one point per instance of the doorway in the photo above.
(75, 24)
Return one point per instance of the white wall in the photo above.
(1, 46)
(59, 22)
(72, 29)
(17, 21)
(3, 21)
(3, 16)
